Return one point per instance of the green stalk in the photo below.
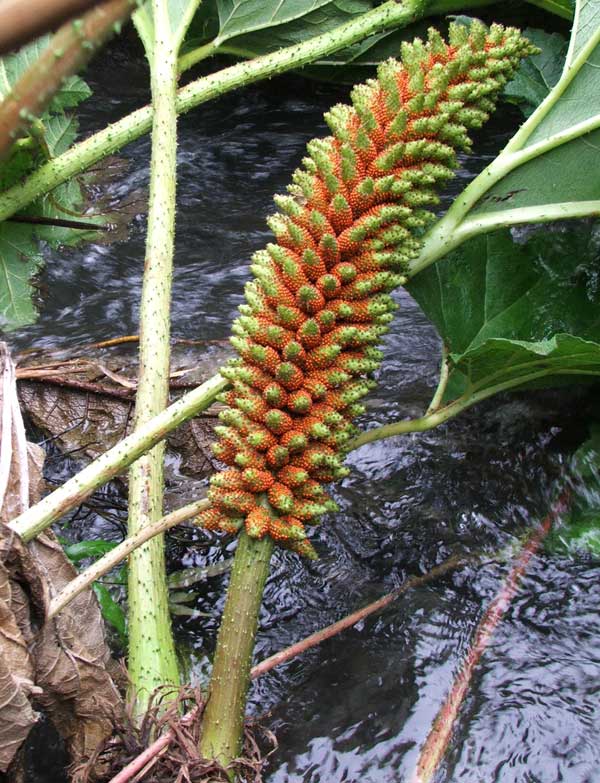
(198, 54)
(467, 400)
(122, 551)
(505, 218)
(223, 721)
(438, 396)
(114, 461)
(108, 141)
(152, 661)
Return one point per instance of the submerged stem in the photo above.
(438, 739)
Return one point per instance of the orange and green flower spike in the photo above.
(319, 302)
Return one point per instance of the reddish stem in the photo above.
(139, 762)
(352, 619)
(437, 741)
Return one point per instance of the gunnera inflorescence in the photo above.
(319, 301)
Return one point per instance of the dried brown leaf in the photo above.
(16, 714)
(64, 662)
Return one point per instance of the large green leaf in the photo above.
(499, 364)
(249, 27)
(238, 17)
(550, 169)
(494, 286)
(507, 309)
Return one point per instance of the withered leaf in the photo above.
(65, 663)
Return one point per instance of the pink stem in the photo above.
(352, 619)
(437, 741)
(139, 762)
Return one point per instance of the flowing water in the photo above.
(358, 707)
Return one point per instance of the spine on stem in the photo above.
(319, 304)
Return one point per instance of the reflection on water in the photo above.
(359, 707)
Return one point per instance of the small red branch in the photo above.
(152, 751)
(437, 742)
(354, 618)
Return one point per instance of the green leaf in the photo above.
(239, 17)
(19, 261)
(52, 135)
(494, 286)
(359, 62)
(500, 364)
(111, 611)
(539, 73)
(60, 133)
(579, 532)
(550, 169)
(507, 310)
(12, 66)
(73, 91)
(91, 548)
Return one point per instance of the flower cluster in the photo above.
(319, 301)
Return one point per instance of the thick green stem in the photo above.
(225, 711)
(73, 492)
(152, 660)
(108, 141)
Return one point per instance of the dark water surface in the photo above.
(358, 707)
